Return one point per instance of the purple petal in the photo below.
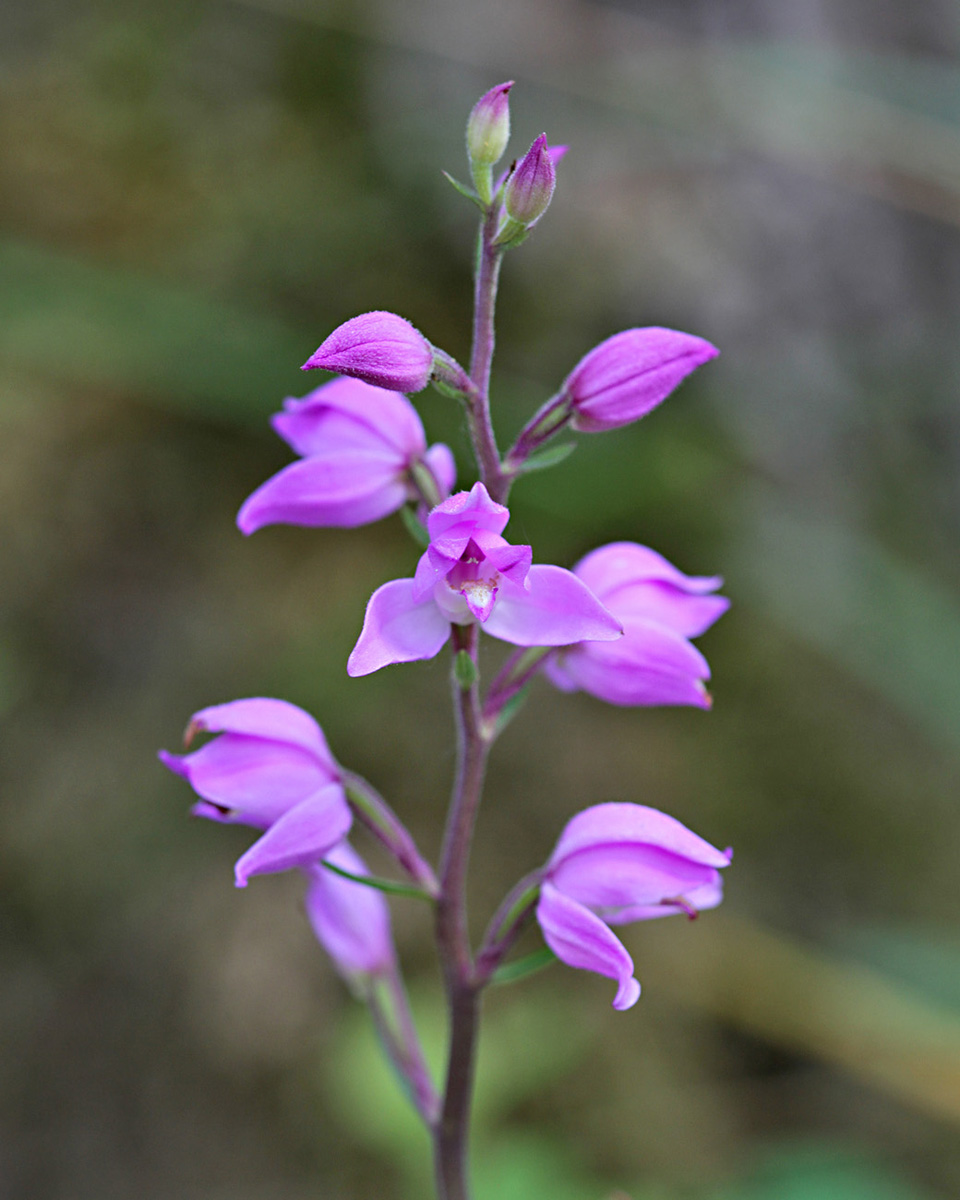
(649, 665)
(265, 717)
(512, 562)
(618, 563)
(555, 668)
(706, 896)
(349, 488)
(397, 628)
(630, 373)
(211, 812)
(257, 779)
(635, 581)
(301, 836)
(622, 874)
(614, 823)
(556, 609)
(663, 604)
(464, 514)
(582, 940)
(348, 413)
(379, 348)
(352, 922)
(439, 458)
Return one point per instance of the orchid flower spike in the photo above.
(626, 376)
(469, 573)
(379, 348)
(270, 767)
(360, 445)
(617, 863)
(351, 921)
(659, 608)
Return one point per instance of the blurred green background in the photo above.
(191, 196)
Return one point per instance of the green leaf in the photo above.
(446, 389)
(415, 527)
(528, 965)
(381, 885)
(464, 190)
(550, 457)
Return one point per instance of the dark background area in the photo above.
(191, 197)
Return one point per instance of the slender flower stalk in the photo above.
(515, 913)
(489, 259)
(453, 938)
(395, 1027)
(373, 811)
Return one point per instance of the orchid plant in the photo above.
(618, 626)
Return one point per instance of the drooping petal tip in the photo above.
(300, 837)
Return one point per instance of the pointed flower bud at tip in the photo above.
(380, 348)
(529, 188)
(488, 127)
(629, 374)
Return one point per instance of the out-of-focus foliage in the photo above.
(191, 197)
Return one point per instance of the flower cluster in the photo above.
(469, 573)
(618, 626)
(271, 767)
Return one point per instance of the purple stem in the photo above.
(453, 941)
(548, 420)
(371, 808)
(394, 1024)
(512, 677)
(506, 925)
(489, 258)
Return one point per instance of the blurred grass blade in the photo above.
(871, 612)
(803, 998)
(119, 331)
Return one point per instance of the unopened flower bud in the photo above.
(626, 376)
(488, 128)
(529, 189)
(379, 348)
